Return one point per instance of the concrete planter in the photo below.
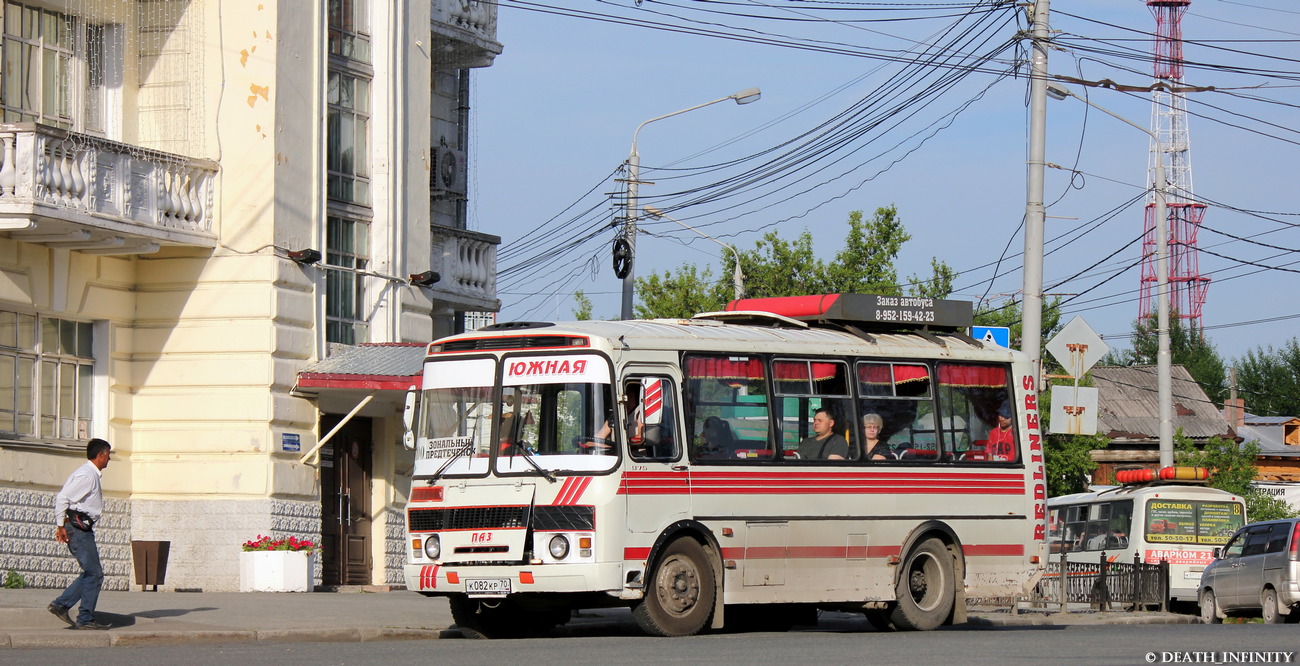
(276, 570)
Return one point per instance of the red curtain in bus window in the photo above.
(713, 367)
(879, 374)
(795, 374)
(972, 376)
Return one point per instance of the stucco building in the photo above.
(200, 201)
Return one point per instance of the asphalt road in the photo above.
(618, 643)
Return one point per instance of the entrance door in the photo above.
(656, 478)
(345, 503)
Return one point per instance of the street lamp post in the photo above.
(633, 181)
(737, 277)
(1164, 358)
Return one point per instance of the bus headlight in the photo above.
(432, 547)
(559, 547)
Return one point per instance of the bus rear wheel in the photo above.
(927, 588)
(679, 599)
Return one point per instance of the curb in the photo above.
(63, 638)
(1058, 620)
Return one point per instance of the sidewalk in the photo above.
(141, 618)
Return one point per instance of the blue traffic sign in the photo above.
(996, 335)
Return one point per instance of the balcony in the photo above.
(463, 33)
(466, 262)
(75, 191)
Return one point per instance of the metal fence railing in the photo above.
(1103, 583)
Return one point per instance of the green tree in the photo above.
(1269, 380)
(1068, 462)
(1232, 468)
(582, 312)
(780, 267)
(1188, 347)
(681, 293)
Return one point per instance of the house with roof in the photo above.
(1129, 414)
(1279, 450)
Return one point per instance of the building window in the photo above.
(349, 29)
(47, 369)
(347, 256)
(52, 64)
(37, 65)
(348, 136)
(348, 90)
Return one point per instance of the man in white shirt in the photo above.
(77, 508)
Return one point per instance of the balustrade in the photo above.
(53, 173)
(467, 264)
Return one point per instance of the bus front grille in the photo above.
(467, 518)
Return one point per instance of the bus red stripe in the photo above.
(579, 488)
(565, 489)
(836, 552)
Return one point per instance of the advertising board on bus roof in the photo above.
(866, 309)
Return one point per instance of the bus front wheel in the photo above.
(927, 588)
(679, 599)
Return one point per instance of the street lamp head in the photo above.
(1057, 91)
(746, 96)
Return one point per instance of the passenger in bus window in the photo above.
(1002, 439)
(824, 444)
(876, 448)
(717, 436)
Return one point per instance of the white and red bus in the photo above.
(717, 469)
(1181, 524)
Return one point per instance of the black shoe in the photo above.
(61, 613)
(92, 625)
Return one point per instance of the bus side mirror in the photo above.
(1218, 553)
(408, 419)
(652, 401)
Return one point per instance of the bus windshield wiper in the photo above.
(462, 451)
(528, 458)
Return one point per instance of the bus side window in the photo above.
(978, 413)
(650, 419)
(803, 387)
(898, 396)
(727, 409)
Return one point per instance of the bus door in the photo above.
(656, 480)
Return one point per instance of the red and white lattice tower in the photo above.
(1172, 144)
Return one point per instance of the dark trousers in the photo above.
(86, 586)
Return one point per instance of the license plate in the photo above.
(487, 587)
(1189, 575)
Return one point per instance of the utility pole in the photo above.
(1031, 334)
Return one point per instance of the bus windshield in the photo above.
(552, 411)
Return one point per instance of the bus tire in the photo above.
(1210, 609)
(480, 619)
(926, 588)
(1268, 607)
(679, 599)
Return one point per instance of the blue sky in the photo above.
(554, 117)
